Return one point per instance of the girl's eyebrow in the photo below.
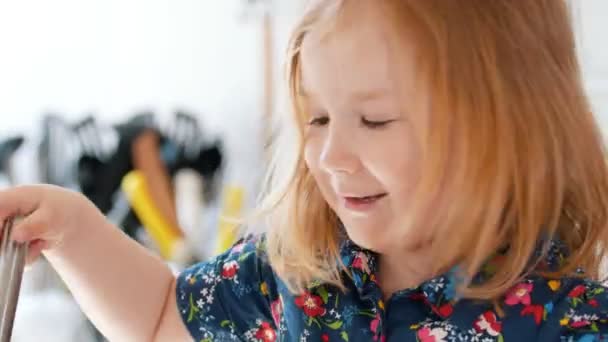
(359, 96)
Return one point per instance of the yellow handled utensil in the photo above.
(170, 241)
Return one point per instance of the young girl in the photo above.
(448, 184)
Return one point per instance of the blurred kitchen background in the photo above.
(99, 96)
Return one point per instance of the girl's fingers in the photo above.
(34, 250)
(30, 228)
(21, 201)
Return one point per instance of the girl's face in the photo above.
(364, 115)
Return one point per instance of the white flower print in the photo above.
(439, 334)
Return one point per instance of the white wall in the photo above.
(593, 42)
(112, 57)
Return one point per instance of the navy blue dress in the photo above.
(236, 296)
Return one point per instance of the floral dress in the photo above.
(237, 297)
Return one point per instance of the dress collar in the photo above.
(362, 266)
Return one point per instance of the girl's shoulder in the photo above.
(244, 265)
(230, 294)
(244, 262)
(576, 307)
(565, 309)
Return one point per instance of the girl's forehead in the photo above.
(343, 54)
(363, 58)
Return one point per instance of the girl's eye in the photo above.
(319, 121)
(375, 124)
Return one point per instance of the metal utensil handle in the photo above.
(12, 264)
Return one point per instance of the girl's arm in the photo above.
(123, 288)
(127, 292)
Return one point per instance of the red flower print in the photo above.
(311, 304)
(266, 333)
(536, 310)
(444, 311)
(593, 303)
(276, 309)
(324, 338)
(577, 291)
(374, 324)
(520, 293)
(488, 322)
(436, 335)
(361, 262)
(229, 269)
(424, 335)
(417, 296)
(579, 324)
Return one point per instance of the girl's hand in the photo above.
(49, 216)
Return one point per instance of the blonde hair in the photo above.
(528, 161)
